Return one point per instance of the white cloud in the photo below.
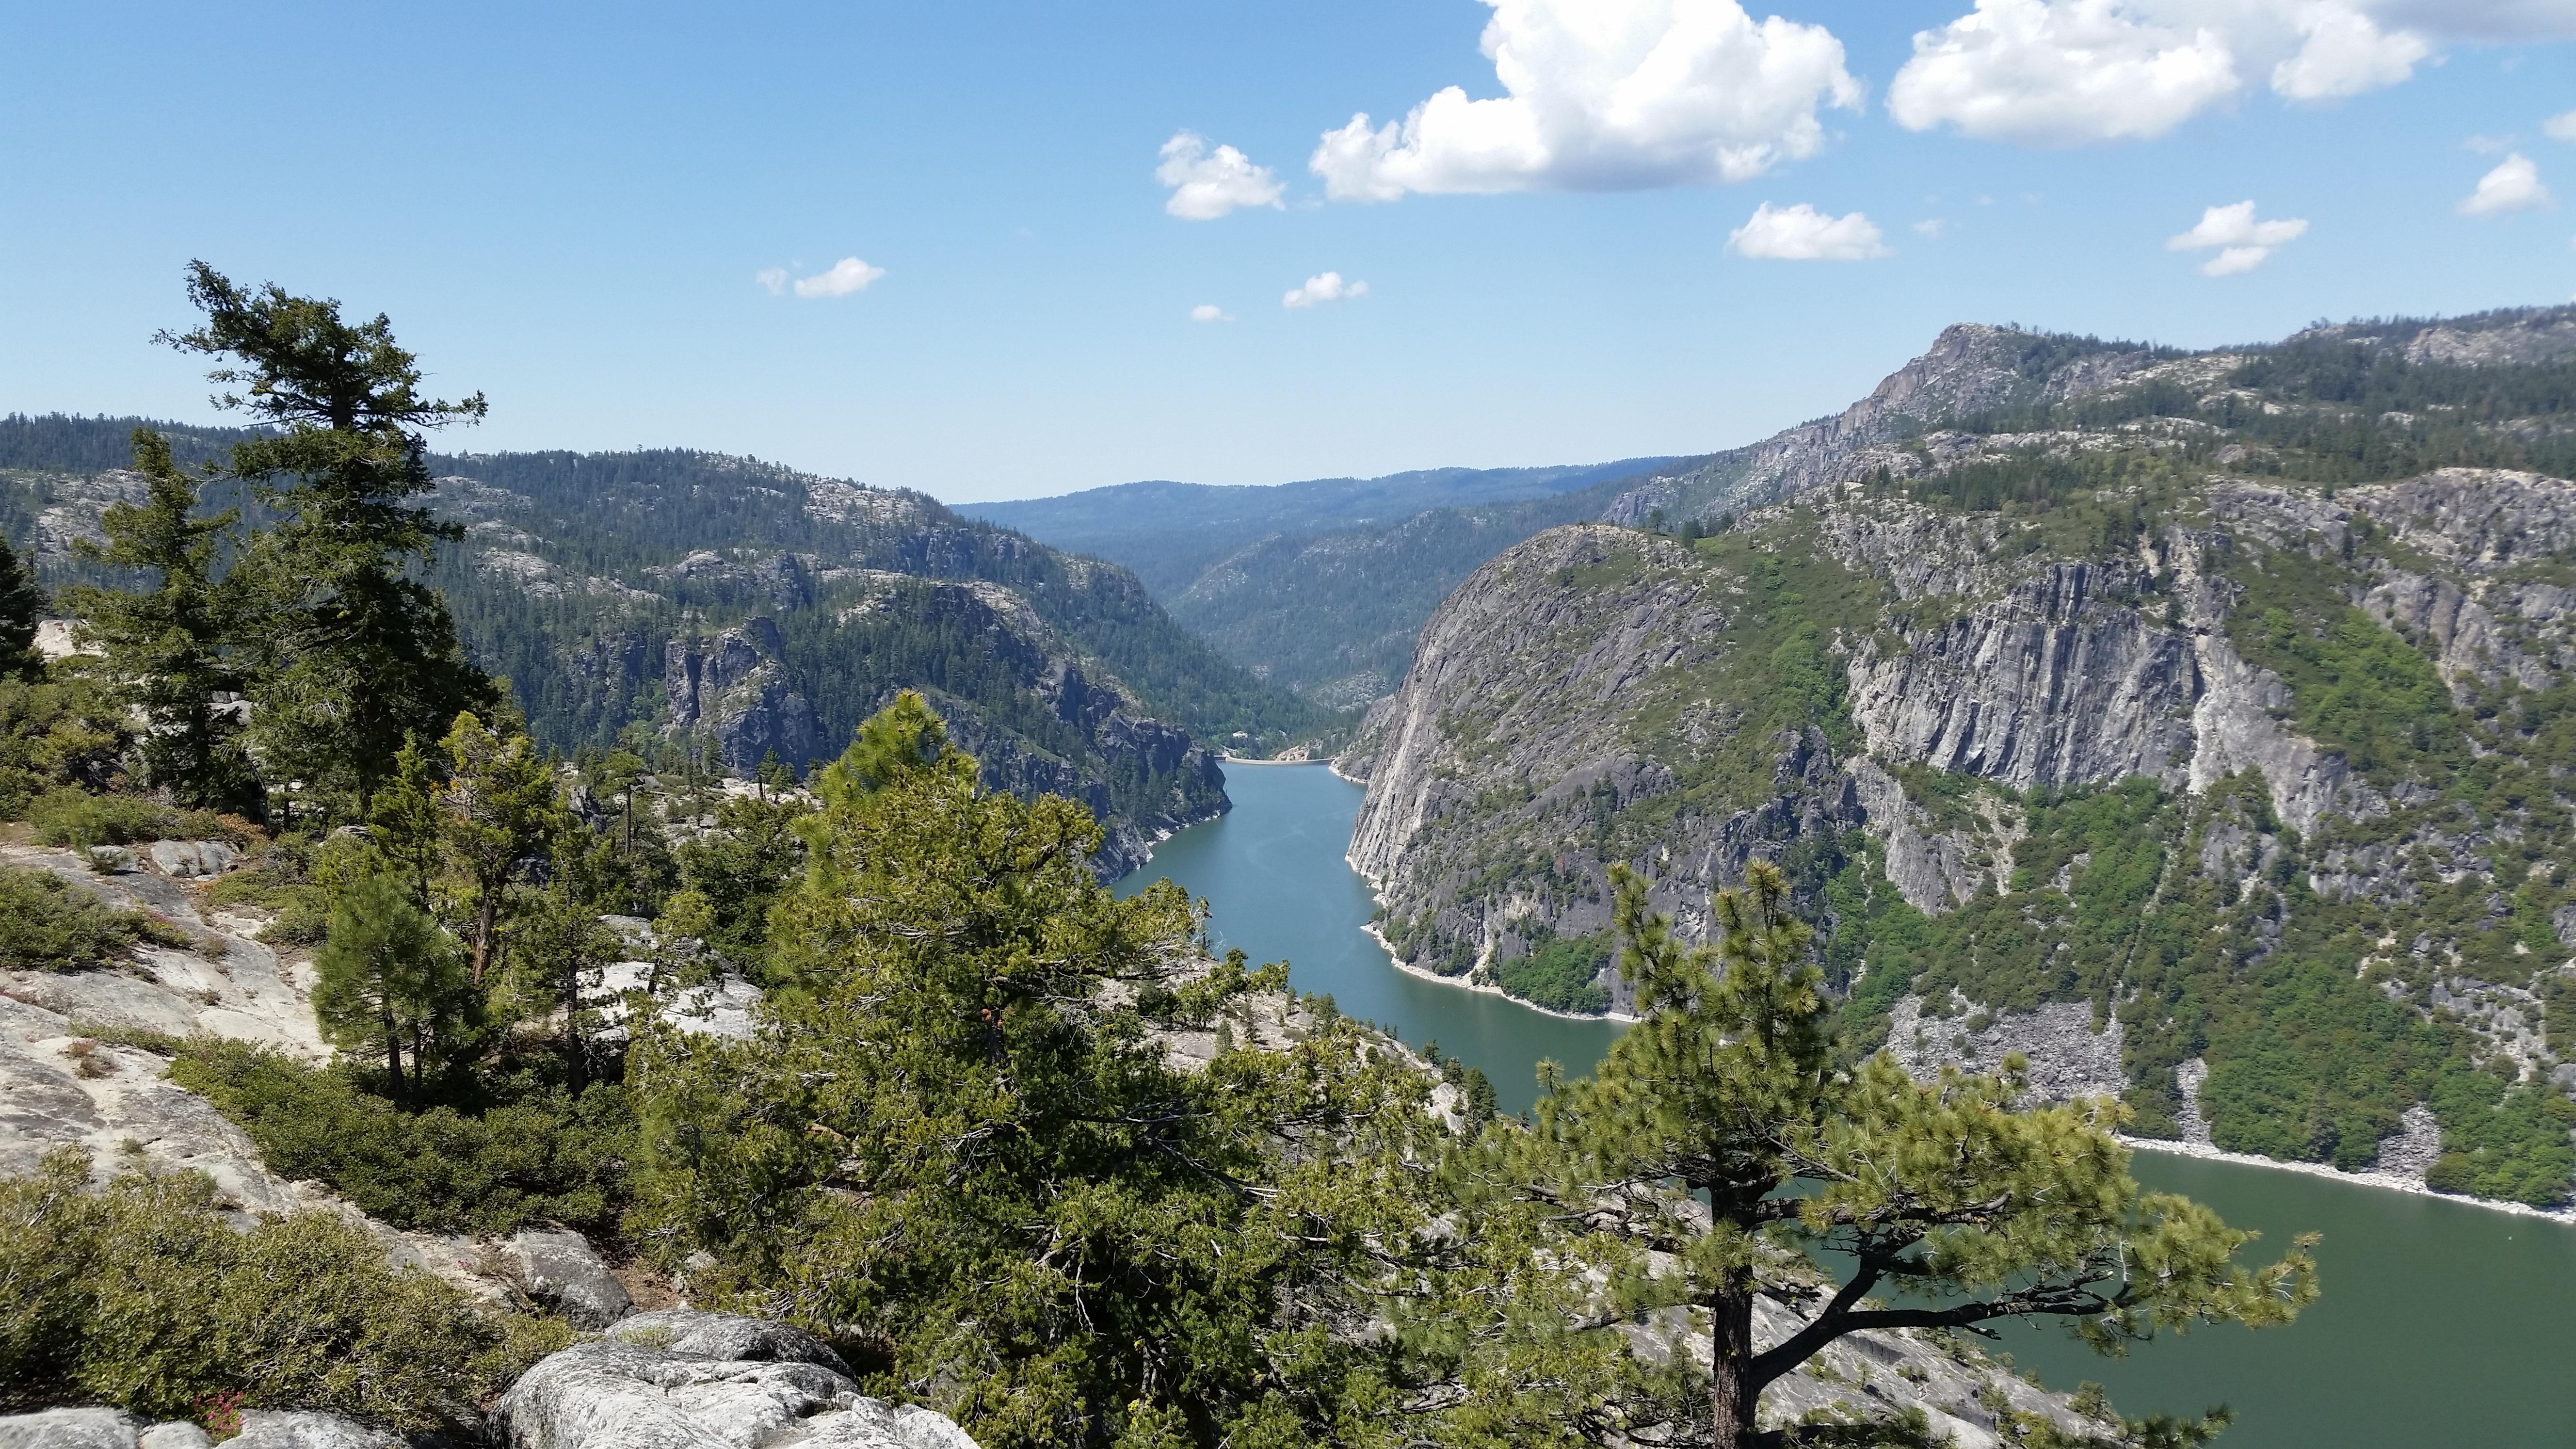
(1606, 95)
(2343, 52)
(2487, 145)
(2057, 72)
(1932, 227)
(2513, 186)
(1325, 287)
(2560, 127)
(2067, 72)
(1801, 233)
(772, 280)
(846, 276)
(2242, 242)
(1208, 185)
(1210, 312)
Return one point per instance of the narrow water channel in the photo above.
(2441, 1324)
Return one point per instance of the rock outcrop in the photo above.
(681, 1379)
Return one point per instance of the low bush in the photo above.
(46, 925)
(73, 816)
(542, 1156)
(145, 1297)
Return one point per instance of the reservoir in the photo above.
(2440, 1324)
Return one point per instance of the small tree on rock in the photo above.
(390, 981)
(1721, 1153)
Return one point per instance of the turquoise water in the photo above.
(2441, 1324)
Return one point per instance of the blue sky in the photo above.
(572, 208)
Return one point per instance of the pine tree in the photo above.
(360, 653)
(388, 979)
(500, 804)
(171, 641)
(22, 605)
(1944, 1194)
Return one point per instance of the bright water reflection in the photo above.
(2442, 1324)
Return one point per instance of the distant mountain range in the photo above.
(1321, 586)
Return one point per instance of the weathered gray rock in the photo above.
(191, 859)
(177, 1434)
(71, 1429)
(559, 1270)
(684, 1379)
(304, 1429)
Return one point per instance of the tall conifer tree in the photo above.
(361, 653)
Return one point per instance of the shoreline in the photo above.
(2386, 1181)
(1483, 988)
(1230, 761)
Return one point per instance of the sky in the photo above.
(1006, 250)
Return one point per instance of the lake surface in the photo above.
(2441, 1324)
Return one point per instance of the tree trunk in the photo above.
(393, 1057)
(483, 912)
(576, 1060)
(1734, 1392)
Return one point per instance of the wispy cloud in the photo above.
(2242, 242)
(772, 280)
(1323, 287)
(846, 276)
(1210, 312)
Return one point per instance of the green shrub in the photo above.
(55, 731)
(543, 1157)
(71, 816)
(144, 1297)
(46, 925)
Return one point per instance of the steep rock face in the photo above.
(736, 686)
(1523, 726)
(2069, 722)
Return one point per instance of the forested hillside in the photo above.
(770, 611)
(2189, 722)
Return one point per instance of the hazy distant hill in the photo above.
(1169, 533)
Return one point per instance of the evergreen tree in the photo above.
(22, 604)
(500, 805)
(405, 828)
(961, 1132)
(389, 980)
(1941, 1194)
(360, 653)
(170, 641)
(559, 951)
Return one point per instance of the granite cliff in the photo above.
(2219, 700)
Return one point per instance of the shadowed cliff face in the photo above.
(2101, 709)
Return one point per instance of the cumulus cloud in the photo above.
(2560, 127)
(1209, 184)
(1210, 312)
(2513, 186)
(2241, 241)
(2068, 72)
(1606, 95)
(772, 280)
(1325, 287)
(846, 276)
(1801, 233)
